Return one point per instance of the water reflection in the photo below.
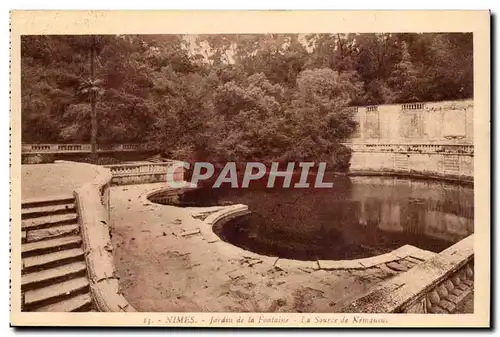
(358, 217)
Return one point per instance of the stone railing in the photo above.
(412, 106)
(463, 104)
(80, 148)
(437, 285)
(143, 172)
(457, 149)
(92, 202)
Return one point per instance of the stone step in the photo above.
(44, 201)
(49, 221)
(53, 275)
(34, 299)
(34, 212)
(52, 232)
(39, 262)
(81, 302)
(49, 246)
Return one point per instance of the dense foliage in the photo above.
(233, 97)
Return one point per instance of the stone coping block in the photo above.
(395, 255)
(296, 264)
(340, 264)
(378, 259)
(228, 211)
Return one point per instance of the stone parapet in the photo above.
(92, 203)
(144, 173)
(437, 285)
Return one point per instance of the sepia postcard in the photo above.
(250, 168)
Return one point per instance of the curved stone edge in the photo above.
(229, 212)
(226, 213)
(222, 215)
(92, 204)
(435, 286)
(144, 197)
(218, 214)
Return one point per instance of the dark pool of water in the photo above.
(359, 217)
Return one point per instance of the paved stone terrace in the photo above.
(47, 180)
(168, 261)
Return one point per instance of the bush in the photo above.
(37, 159)
(341, 158)
(100, 160)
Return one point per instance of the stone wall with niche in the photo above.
(431, 122)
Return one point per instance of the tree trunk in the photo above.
(93, 97)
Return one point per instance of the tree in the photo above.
(231, 97)
(317, 114)
(403, 82)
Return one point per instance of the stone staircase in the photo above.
(54, 272)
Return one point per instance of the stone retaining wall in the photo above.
(438, 160)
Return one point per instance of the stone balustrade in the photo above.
(458, 149)
(143, 172)
(80, 148)
(437, 285)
